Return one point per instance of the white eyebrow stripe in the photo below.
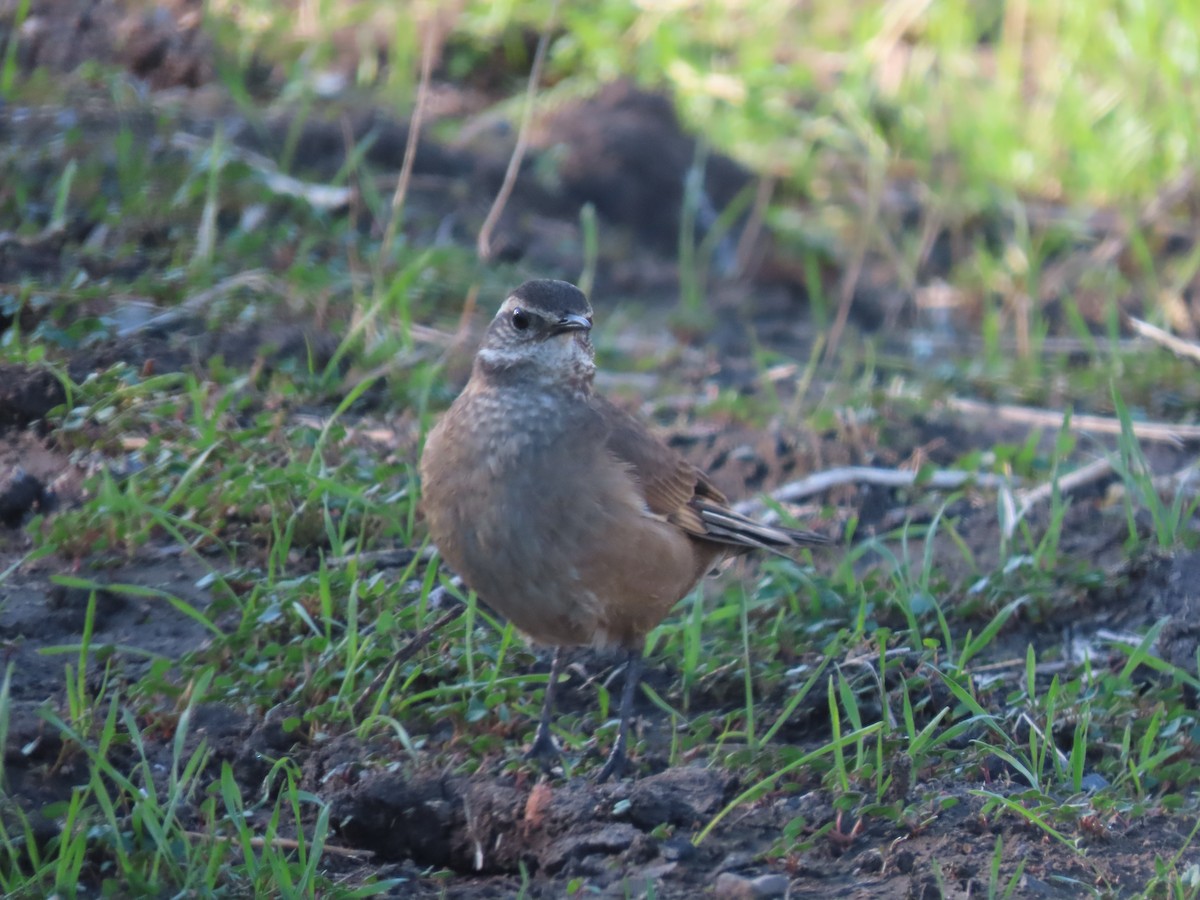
(498, 356)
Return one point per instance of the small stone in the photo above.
(870, 860)
(731, 886)
(767, 886)
(734, 860)
(677, 849)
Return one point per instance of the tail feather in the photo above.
(728, 527)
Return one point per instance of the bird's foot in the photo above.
(544, 750)
(616, 763)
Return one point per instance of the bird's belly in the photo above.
(570, 557)
(568, 553)
(522, 559)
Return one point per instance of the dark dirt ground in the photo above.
(468, 836)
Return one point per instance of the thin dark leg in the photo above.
(615, 765)
(544, 748)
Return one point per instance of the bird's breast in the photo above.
(499, 471)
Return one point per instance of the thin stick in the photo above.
(819, 482)
(282, 843)
(1085, 475)
(754, 225)
(1165, 432)
(414, 133)
(1093, 471)
(1068, 483)
(875, 191)
(483, 244)
(846, 295)
(1178, 346)
(320, 196)
(405, 653)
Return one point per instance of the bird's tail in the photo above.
(725, 526)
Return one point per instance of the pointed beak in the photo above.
(572, 322)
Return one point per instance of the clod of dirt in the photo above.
(71, 605)
(235, 737)
(624, 151)
(925, 887)
(27, 394)
(904, 860)
(20, 494)
(1172, 586)
(684, 797)
(253, 748)
(221, 724)
(477, 825)
(448, 822)
(869, 861)
(28, 738)
(164, 45)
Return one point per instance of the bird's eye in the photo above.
(520, 319)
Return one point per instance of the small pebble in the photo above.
(870, 860)
(731, 886)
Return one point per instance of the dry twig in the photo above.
(749, 240)
(819, 482)
(483, 244)
(282, 843)
(1072, 481)
(1178, 346)
(1165, 432)
(405, 653)
(428, 51)
(319, 196)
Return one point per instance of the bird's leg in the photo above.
(615, 765)
(544, 748)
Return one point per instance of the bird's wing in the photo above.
(683, 495)
(668, 482)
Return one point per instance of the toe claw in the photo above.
(615, 765)
(544, 750)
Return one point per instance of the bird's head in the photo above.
(541, 332)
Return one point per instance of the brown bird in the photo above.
(560, 510)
